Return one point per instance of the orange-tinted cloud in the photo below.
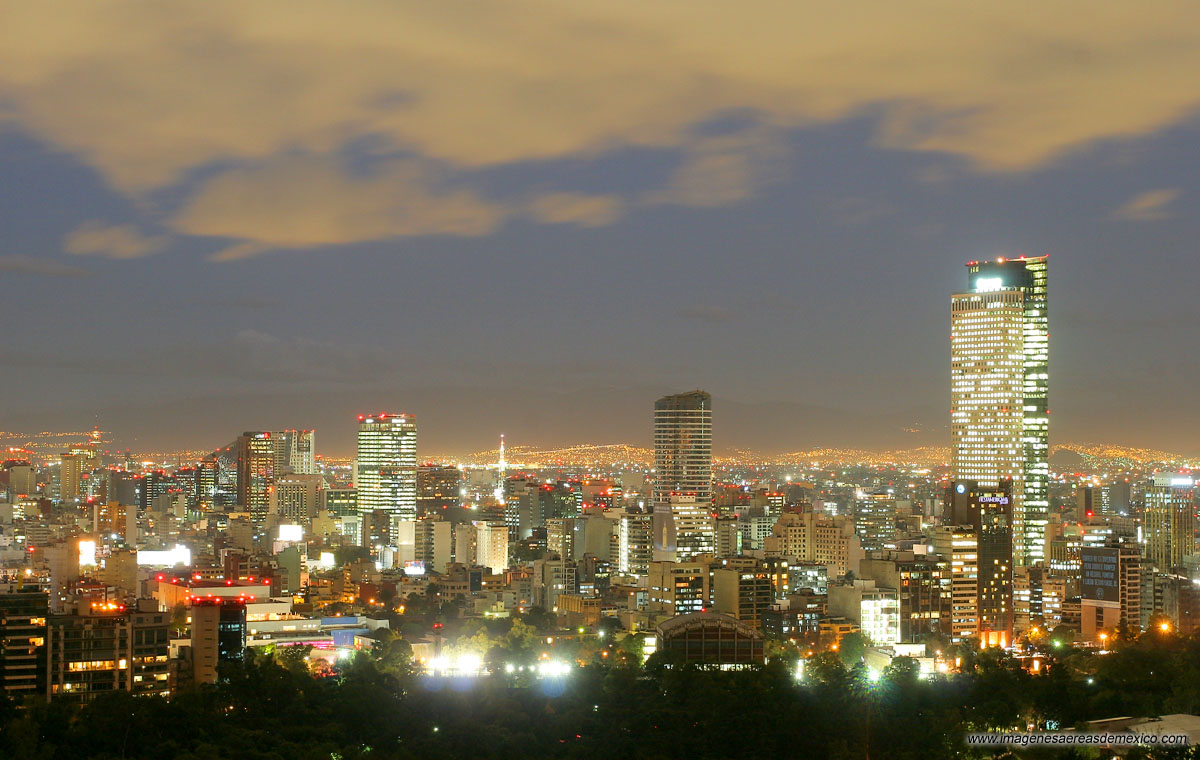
(1148, 206)
(304, 202)
(115, 241)
(576, 208)
(148, 91)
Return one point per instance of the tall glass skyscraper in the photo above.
(683, 473)
(999, 407)
(386, 470)
(255, 473)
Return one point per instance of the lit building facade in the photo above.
(999, 366)
(387, 465)
(255, 473)
(683, 472)
(1170, 520)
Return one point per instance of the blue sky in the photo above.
(220, 218)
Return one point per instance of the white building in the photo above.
(386, 468)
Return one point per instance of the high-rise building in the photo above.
(70, 474)
(22, 479)
(255, 473)
(218, 634)
(294, 452)
(634, 544)
(683, 446)
(386, 475)
(491, 546)
(23, 611)
(999, 367)
(1170, 518)
(296, 497)
(988, 512)
(683, 472)
(959, 546)
(439, 490)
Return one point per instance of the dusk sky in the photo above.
(535, 217)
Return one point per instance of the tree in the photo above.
(782, 652)
(294, 658)
(539, 618)
(903, 671)
(853, 646)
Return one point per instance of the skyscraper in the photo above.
(683, 468)
(294, 452)
(255, 473)
(999, 368)
(1170, 517)
(387, 465)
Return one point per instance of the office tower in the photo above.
(255, 457)
(154, 485)
(439, 490)
(22, 479)
(1091, 501)
(491, 546)
(959, 546)
(695, 526)
(296, 498)
(988, 512)
(218, 634)
(206, 484)
(875, 518)
(70, 474)
(387, 465)
(683, 472)
(294, 452)
(1038, 597)
(23, 611)
(635, 550)
(1111, 587)
(339, 502)
(999, 367)
(1170, 518)
(432, 544)
(683, 447)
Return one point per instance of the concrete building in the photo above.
(874, 609)
(745, 594)
(813, 537)
(104, 647)
(23, 613)
(678, 588)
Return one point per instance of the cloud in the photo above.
(30, 265)
(119, 241)
(725, 169)
(1148, 206)
(156, 94)
(299, 202)
(576, 208)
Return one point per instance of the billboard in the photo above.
(1101, 574)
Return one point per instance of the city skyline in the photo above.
(392, 379)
